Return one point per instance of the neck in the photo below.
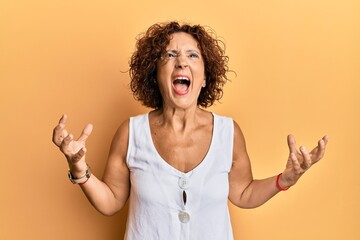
(178, 119)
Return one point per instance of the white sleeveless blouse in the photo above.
(157, 210)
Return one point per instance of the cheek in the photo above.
(160, 73)
(198, 67)
(164, 69)
(162, 81)
(199, 73)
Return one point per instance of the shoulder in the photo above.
(121, 137)
(237, 129)
(221, 118)
(238, 134)
(239, 139)
(225, 122)
(123, 128)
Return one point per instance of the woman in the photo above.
(178, 164)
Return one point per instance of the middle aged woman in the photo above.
(178, 164)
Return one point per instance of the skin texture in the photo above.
(181, 133)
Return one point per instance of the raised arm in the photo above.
(110, 194)
(245, 192)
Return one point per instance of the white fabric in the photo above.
(156, 197)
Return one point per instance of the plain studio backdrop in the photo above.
(297, 67)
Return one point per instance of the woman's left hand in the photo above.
(301, 160)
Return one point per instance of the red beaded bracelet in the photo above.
(278, 185)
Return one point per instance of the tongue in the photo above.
(181, 87)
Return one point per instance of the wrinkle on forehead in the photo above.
(186, 40)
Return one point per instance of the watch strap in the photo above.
(82, 179)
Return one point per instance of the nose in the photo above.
(181, 62)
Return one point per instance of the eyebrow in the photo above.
(187, 51)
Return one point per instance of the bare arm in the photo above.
(110, 194)
(245, 192)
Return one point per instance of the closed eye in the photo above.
(194, 55)
(171, 54)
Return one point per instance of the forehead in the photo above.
(182, 40)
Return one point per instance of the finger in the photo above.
(325, 139)
(79, 155)
(307, 158)
(291, 143)
(86, 132)
(64, 146)
(295, 164)
(59, 132)
(319, 151)
(321, 148)
(63, 119)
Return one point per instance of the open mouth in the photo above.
(181, 85)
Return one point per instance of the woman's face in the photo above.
(181, 72)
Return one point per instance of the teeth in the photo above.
(182, 78)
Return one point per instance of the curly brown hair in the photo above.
(150, 47)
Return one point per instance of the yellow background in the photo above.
(298, 71)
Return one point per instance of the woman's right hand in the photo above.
(74, 150)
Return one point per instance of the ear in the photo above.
(204, 83)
